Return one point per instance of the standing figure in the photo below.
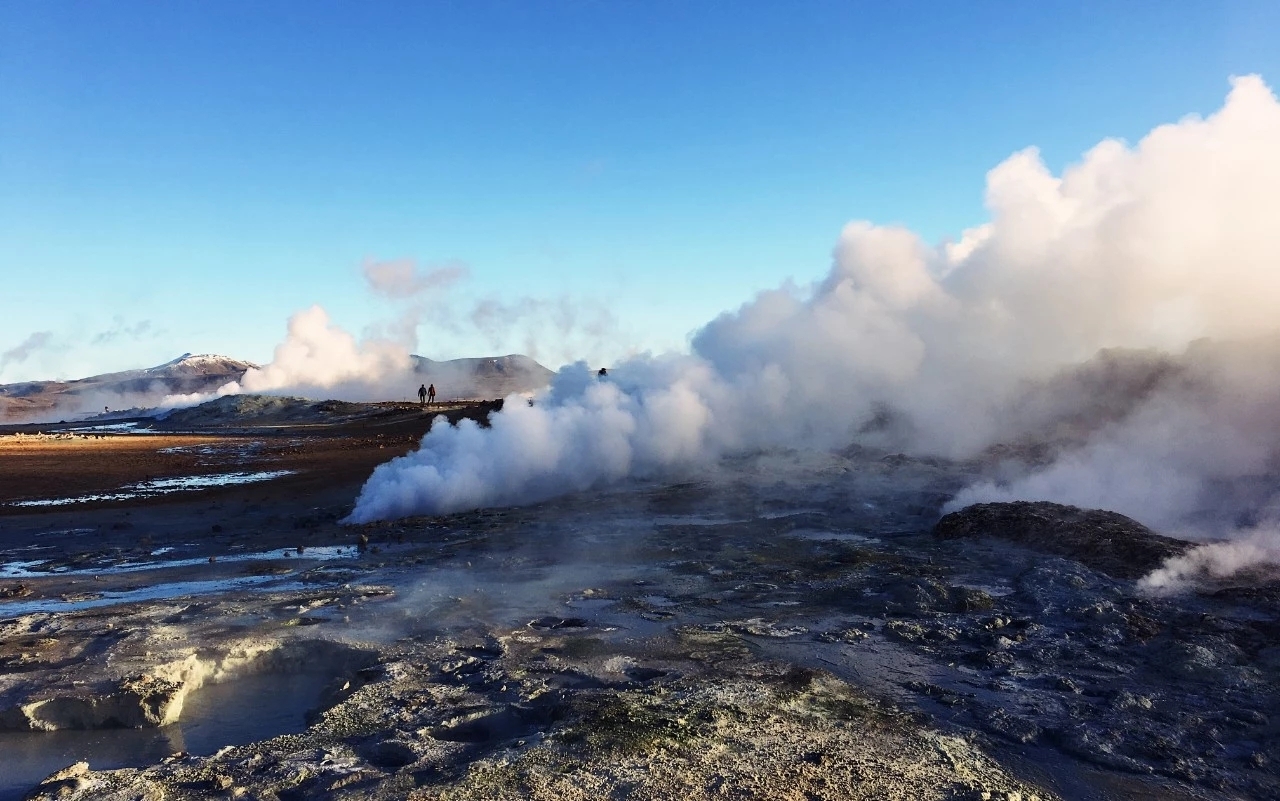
(431, 394)
(422, 394)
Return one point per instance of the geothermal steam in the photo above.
(931, 349)
(949, 350)
(321, 359)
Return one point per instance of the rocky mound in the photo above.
(1104, 541)
(261, 409)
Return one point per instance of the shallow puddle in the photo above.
(218, 453)
(154, 592)
(243, 711)
(163, 486)
(34, 569)
(119, 428)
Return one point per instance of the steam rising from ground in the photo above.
(1217, 560)
(320, 357)
(950, 350)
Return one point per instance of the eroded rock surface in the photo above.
(518, 717)
(781, 630)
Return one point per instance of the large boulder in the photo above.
(1104, 541)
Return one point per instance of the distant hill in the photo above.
(489, 377)
(135, 390)
(186, 374)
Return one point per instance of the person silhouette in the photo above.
(431, 394)
(422, 394)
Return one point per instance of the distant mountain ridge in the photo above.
(487, 377)
(484, 377)
(189, 373)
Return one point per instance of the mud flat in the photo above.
(791, 626)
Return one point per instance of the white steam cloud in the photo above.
(318, 357)
(402, 278)
(950, 350)
(1253, 550)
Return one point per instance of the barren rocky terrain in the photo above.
(791, 625)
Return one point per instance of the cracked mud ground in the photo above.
(788, 627)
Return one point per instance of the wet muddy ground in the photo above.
(784, 627)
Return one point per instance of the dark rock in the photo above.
(1104, 541)
(1010, 726)
(917, 596)
(966, 599)
(850, 635)
(910, 631)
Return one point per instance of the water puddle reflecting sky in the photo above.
(35, 569)
(163, 486)
(243, 711)
(154, 592)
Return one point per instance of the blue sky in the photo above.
(183, 176)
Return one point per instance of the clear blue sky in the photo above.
(181, 176)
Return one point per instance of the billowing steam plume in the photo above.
(319, 357)
(949, 350)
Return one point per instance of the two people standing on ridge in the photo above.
(427, 394)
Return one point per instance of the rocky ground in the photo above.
(791, 626)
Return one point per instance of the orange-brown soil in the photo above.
(330, 462)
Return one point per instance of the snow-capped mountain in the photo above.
(195, 374)
(186, 374)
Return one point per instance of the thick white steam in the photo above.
(594, 432)
(319, 358)
(949, 350)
